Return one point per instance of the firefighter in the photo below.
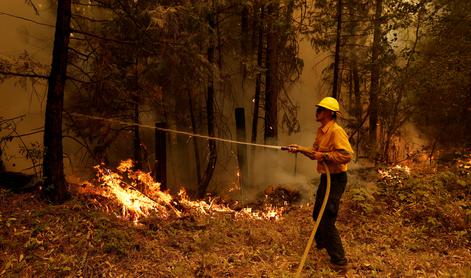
(332, 147)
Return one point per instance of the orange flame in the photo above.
(148, 199)
(132, 200)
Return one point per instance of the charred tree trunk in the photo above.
(55, 187)
(255, 24)
(195, 142)
(161, 155)
(203, 185)
(136, 137)
(357, 108)
(356, 90)
(375, 76)
(335, 86)
(241, 149)
(271, 78)
(258, 81)
(350, 91)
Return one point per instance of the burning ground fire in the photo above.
(392, 173)
(396, 175)
(139, 196)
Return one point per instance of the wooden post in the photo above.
(241, 149)
(161, 155)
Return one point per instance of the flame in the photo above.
(396, 175)
(465, 162)
(405, 169)
(125, 165)
(271, 213)
(135, 204)
(140, 196)
(236, 185)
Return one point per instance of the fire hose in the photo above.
(316, 224)
(318, 220)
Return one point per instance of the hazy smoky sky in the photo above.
(18, 36)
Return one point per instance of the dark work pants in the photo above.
(327, 235)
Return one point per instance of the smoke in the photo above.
(277, 168)
(19, 97)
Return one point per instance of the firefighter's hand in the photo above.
(318, 156)
(293, 148)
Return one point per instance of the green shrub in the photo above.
(436, 201)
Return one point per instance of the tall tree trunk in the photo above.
(271, 77)
(203, 185)
(375, 76)
(137, 137)
(255, 23)
(352, 26)
(335, 86)
(356, 90)
(355, 103)
(55, 187)
(350, 91)
(258, 81)
(195, 142)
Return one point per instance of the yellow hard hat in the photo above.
(329, 103)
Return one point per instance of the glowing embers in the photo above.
(269, 212)
(138, 196)
(394, 172)
(395, 176)
(464, 164)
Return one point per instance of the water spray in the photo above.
(189, 134)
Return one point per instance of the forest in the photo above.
(162, 125)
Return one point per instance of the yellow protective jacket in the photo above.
(332, 140)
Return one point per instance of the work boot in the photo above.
(343, 268)
(320, 246)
